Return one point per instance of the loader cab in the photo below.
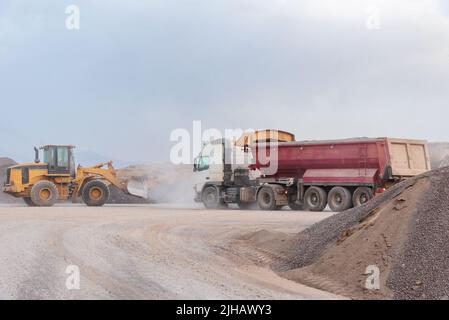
(60, 159)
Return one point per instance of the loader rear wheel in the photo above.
(29, 202)
(95, 193)
(339, 199)
(44, 194)
(315, 199)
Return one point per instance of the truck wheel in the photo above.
(295, 206)
(29, 202)
(211, 199)
(315, 199)
(361, 196)
(95, 193)
(245, 205)
(266, 199)
(339, 199)
(44, 194)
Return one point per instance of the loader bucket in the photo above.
(138, 187)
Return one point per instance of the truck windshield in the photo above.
(203, 163)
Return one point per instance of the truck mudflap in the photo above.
(363, 176)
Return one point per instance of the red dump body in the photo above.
(360, 161)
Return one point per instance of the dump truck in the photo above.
(57, 179)
(269, 168)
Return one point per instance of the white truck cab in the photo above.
(220, 164)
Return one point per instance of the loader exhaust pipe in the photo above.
(36, 155)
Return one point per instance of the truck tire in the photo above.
(211, 199)
(95, 193)
(245, 205)
(29, 202)
(44, 194)
(295, 206)
(266, 199)
(339, 199)
(361, 196)
(315, 199)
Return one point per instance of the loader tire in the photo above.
(44, 194)
(29, 202)
(95, 193)
(315, 199)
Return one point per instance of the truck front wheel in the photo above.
(211, 199)
(361, 196)
(95, 193)
(315, 199)
(339, 199)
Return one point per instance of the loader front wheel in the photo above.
(95, 193)
(44, 194)
(29, 202)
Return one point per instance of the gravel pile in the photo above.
(425, 256)
(404, 232)
(119, 197)
(4, 164)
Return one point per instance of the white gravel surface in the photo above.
(140, 252)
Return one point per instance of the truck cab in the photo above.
(221, 165)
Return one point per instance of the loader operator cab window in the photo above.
(63, 157)
(49, 156)
(58, 159)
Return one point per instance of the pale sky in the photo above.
(136, 70)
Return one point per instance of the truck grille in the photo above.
(8, 176)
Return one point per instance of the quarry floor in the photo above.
(141, 252)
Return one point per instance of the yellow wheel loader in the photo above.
(56, 178)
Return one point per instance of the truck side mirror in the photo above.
(195, 165)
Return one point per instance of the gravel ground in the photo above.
(141, 252)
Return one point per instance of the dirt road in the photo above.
(140, 252)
